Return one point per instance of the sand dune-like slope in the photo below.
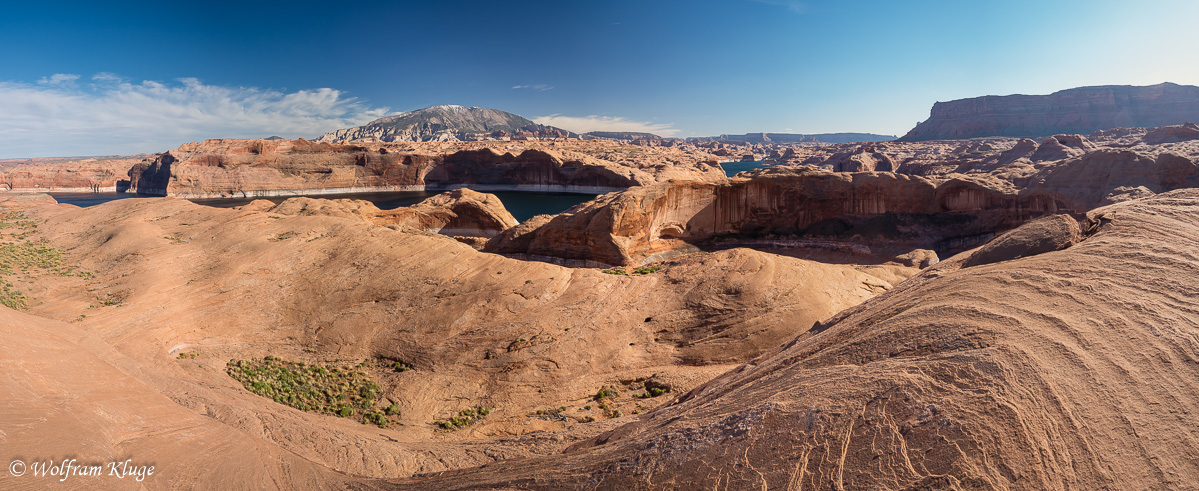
(170, 277)
(1072, 369)
(69, 394)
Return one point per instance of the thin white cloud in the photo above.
(541, 87)
(584, 124)
(58, 78)
(795, 6)
(111, 116)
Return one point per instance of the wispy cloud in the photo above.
(795, 6)
(541, 87)
(110, 115)
(58, 78)
(583, 124)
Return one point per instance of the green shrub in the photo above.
(313, 387)
(465, 417)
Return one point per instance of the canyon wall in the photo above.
(879, 213)
(92, 174)
(1080, 110)
(247, 168)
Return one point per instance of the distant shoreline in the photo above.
(269, 193)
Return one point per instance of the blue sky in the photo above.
(94, 78)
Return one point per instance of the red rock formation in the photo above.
(460, 212)
(877, 212)
(882, 213)
(863, 159)
(1172, 134)
(1060, 147)
(1068, 369)
(65, 175)
(1081, 110)
(240, 168)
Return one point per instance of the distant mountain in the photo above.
(447, 123)
(795, 137)
(1079, 110)
(621, 135)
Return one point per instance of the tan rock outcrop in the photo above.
(1060, 147)
(1172, 134)
(460, 212)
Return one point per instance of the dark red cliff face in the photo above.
(1081, 110)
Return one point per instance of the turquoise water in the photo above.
(522, 204)
(732, 168)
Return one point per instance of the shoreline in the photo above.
(90, 189)
(270, 193)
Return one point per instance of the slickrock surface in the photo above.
(166, 276)
(1065, 356)
(1079, 110)
(1075, 369)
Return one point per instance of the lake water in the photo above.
(522, 204)
(732, 168)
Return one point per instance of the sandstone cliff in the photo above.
(1080, 110)
(866, 212)
(94, 174)
(246, 168)
(881, 213)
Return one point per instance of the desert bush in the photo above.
(465, 417)
(314, 387)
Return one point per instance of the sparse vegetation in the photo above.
(465, 417)
(636, 272)
(343, 392)
(606, 393)
(283, 236)
(26, 260)
(113, 299)
(606, 400)
(552, 414)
